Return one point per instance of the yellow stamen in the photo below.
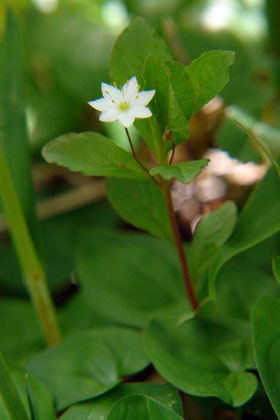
(115, 84)
(138, 87)
(124, 106)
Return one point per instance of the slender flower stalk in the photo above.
(31, 267)
(145, 169)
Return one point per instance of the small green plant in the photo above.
(147, 299)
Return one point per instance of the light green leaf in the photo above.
(107, 354)
(202, 357)
(132, 47)
(99, 408)
(266, 343)
(209, 74)
(73, 376)
(141, 407)
(258, 220)
(13, 130)
(276, 268)
(211, 232)
(92, 154)
(131, 291)
(184, 172)
(140, 203)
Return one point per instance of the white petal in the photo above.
(130, 89)
(144, 97)
(110, 92)
(140, 112)
(101, 104)
(126, 119)
(109, 116)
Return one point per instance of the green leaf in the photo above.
(146, 275)
(73, 376)
(141, 407)
(266, 343)
(132, 47)
(36, 396)
(258, 220)
(202, 357)
(276, 268)
(9, 397)
(181, 100)
(239, 285)
(13, 130)
(184, 172)
(19, 330)
(209, 74)
(92, 154)
(140, 203)
(106, 355)
(211, 232)
(99, 408)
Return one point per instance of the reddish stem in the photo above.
(179, 245)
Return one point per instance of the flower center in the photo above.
(124, 106)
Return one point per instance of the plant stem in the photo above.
(32, 269)
(179, 245)
(145, 169)
(9, 394)
(172, 154)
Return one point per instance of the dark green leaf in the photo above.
(99, 408)
(276, 268)
(202, 357)
(259, 220)
(184, 172)
(141, 407)
(209, 74)
(140, 203)
(145, 276)
(211, 232)
(92, 154)
(266, 343)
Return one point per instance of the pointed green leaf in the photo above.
(131, 291)
(202, 357)
(140, 203)
(184, 172)
(92, 154)
(276, 268)
(266, 343)
(141, 407)
(99, 408)
(209, 74)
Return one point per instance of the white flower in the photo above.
(125, 104)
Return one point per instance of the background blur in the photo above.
(65, 49)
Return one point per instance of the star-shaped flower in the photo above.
(125, 104)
